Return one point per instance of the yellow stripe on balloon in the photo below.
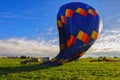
(78, 10)
(59, 23)
(92, 12)
(80, 34)
(94, 35)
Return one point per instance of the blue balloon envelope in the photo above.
(79, 25)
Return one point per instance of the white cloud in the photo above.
(51, 31)
(22, 46)
(109, 42)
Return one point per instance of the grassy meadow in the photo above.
(11, 69)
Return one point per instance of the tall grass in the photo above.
(11, 69)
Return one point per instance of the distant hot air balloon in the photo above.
(79, 25)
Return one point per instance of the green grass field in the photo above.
(11, 69)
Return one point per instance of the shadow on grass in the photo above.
(23, 68)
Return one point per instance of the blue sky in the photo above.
(33, 22)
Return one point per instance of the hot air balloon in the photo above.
(79, 26)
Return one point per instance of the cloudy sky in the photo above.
(28, 27)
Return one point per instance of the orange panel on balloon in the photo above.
(81, 11)
(92, 12)
(69, 13)
(84, 37)
(71, 41)
(63, 18)
(87, 39)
